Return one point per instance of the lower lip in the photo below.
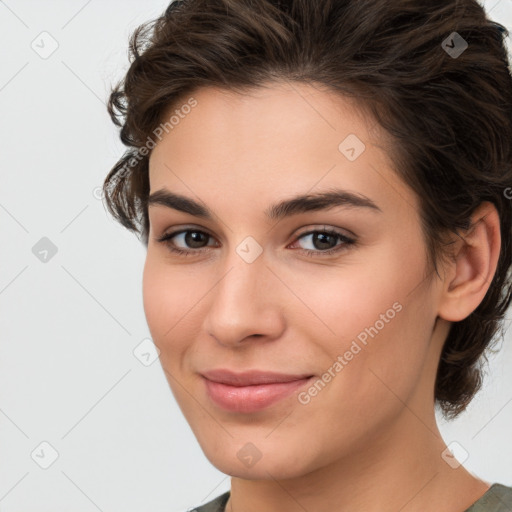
(251, 398)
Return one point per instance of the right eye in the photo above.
(192, 241)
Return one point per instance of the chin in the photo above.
(235, 460)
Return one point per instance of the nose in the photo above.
(245, 303)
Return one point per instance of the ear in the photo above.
(469, 274)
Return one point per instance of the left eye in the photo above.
(322, 241)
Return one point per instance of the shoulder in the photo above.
(497, 499)
(215, 505)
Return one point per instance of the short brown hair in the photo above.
(449, 114)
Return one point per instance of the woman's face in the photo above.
(247, 294)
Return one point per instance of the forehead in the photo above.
(256, 116)
(280, 139)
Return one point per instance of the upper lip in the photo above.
(250, 377)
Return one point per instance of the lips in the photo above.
(250, 377)
(250, 391)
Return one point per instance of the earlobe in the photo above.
(473, 265)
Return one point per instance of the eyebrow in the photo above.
(286, 208)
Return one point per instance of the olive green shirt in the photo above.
(498, 498)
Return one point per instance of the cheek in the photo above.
(168, 297)
(370, 319)
(348, 300)
(152, 291)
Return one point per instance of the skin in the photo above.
(356, 445)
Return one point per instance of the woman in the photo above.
(324, 190)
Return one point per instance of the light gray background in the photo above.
(68, 374)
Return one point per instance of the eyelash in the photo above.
(347, 242)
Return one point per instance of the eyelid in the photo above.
(325, 227)
(178, 230)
